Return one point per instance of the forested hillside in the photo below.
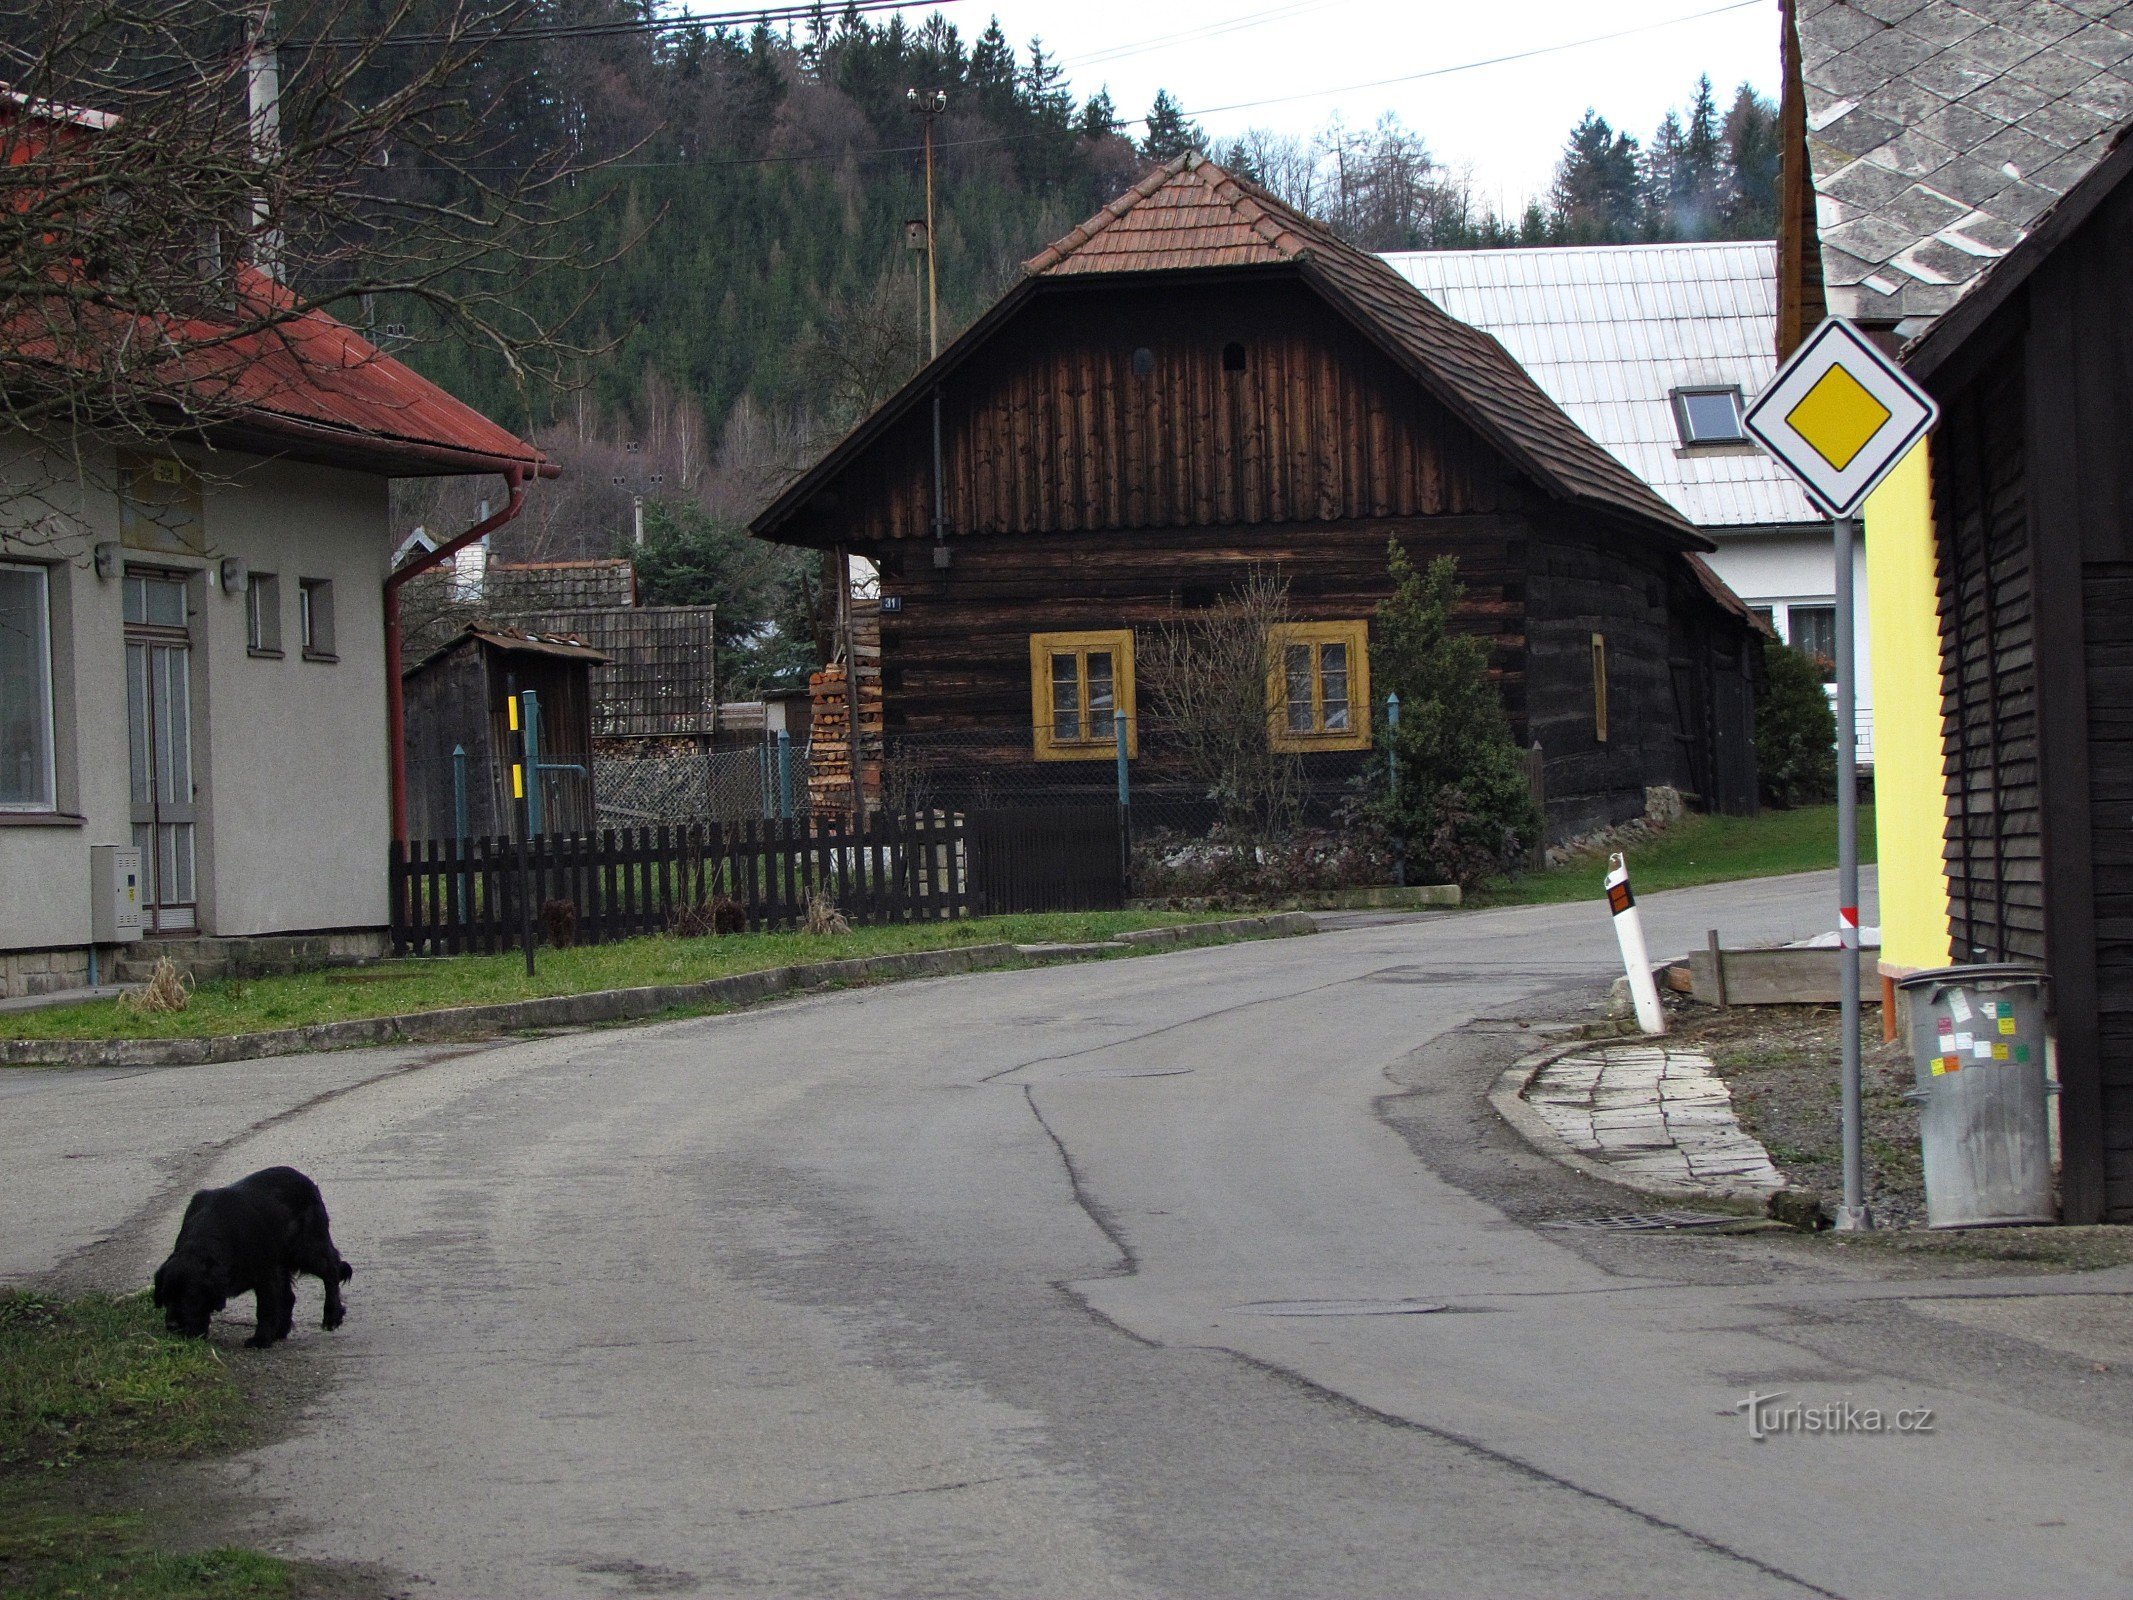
(749, 193)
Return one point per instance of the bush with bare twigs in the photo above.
(167, 990)
(823, 917)
(1206, 678)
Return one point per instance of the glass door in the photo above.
(159, 723)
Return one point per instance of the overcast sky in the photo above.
(1300, 61)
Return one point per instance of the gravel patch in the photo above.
(1782, 1065)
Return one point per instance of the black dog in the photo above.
(252, 1237)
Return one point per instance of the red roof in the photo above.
(306, 385)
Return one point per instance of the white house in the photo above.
(1654, 350)
(193, 658)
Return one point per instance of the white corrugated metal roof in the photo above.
(1610, 331)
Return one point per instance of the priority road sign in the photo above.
(1839, 416)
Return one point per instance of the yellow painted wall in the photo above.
(1905, 635)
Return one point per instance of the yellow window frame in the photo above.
(1081, 645)
(1355, 635)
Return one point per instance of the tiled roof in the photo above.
(312, 385)
(318, 381)
(1610, 331)
(1191, 214)
(1940, 130)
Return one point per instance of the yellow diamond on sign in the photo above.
(1838, 417)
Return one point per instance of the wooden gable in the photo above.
(1178, 404)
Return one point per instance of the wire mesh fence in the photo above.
(1202, 821)
(669, 785)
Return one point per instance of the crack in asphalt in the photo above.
(1173, 1027)
(1098, 1214)
(1525, 1469)
(884, 1494)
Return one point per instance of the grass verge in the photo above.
(85, 1384)
(393, 988)
(1698, 849)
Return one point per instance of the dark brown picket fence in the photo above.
(451, 896)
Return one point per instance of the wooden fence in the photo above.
(455, 895)
(1045, 858)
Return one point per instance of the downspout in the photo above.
(395, 695)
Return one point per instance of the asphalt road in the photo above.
(1082, 1281)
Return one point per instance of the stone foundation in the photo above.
(33, 972)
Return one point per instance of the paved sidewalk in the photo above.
(1653, 1115)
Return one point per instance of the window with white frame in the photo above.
(26, 782)
(1709, 416)
(262, 614)
(314, 598)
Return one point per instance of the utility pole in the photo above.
(263, 79)
(929, 109)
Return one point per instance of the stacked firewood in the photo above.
(829, 766)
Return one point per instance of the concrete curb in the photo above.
(1508, 1097)
(619, 1005)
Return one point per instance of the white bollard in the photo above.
(1629, 933)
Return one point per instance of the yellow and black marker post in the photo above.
(523, 818)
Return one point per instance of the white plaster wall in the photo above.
(289, 754)
(295, 796)
(1781, 568)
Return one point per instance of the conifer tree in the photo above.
(1170, 132)
(1099, 118)
(1459, 803)
(1595, 199)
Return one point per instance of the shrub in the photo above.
(1795, 732)
(712, 918)
(1461, 805)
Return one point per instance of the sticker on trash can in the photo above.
(1963, 1041)
(1947, 1064)
(1959, 1005)
(2021, 1052)
(1947, 1024)
(1999, 1052)
(2007, 1024)
(1982, 1050)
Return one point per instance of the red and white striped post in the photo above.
(1629, 934)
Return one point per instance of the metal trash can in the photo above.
(1977, 1042)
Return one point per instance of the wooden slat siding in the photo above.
(2079, 364)
(1993, 843)
(1182, 446)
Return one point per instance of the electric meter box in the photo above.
(115, 889)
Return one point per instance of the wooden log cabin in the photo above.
(2033, 537)
(1199, 382)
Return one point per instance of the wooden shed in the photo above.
(456, 699)
(1199, 382)
(2033, 514)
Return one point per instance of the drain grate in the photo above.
(1645, 1221)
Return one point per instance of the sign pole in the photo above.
(1839, 416)
(1852, 1215)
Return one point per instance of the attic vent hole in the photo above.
(1233, 357)
(1143, 362)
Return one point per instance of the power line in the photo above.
(1473, 66)
(621, 27)
(1252, 19)
(1201, 111)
